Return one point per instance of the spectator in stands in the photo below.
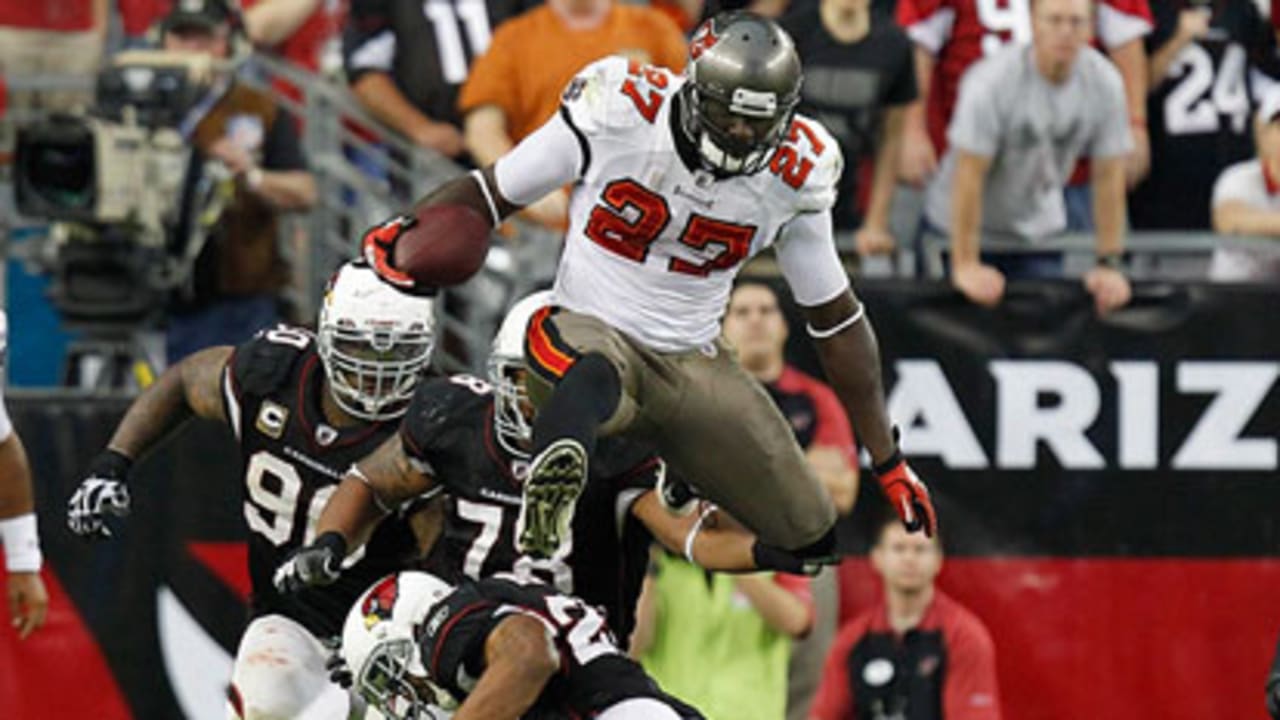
(241, 271)
(406, 61)
(917, 653)
(859, 77)
(1024, 116)
(27, 597)
(298, 26)
(301, 31)
(515, 85)
(951, 35)
(1246, 201)
(755, 326)
(721, 642)
(1206, 59)
(51, 37)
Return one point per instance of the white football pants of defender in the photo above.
(280, 673)
(639, 709)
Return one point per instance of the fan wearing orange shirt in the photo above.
(514, 87)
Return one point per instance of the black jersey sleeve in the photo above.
(441, 410)
(261, 366)
(453, 637)
(265, 363)
(368, 39)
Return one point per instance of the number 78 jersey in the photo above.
(654, 241)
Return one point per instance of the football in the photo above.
(445, 248)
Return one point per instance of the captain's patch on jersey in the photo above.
(271, 419)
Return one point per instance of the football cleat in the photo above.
(556, 479)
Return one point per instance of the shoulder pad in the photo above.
(615, 92)
(809, 161)
(265, 363)
(438, 405)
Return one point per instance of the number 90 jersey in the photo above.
(653, 246)
(293, 461)
(449, 430)
(594, 673)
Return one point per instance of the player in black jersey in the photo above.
(472, 438)
(503, 648)
(1212, 63)
(303, 409)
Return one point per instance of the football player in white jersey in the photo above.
(677, 182)
(28, 599)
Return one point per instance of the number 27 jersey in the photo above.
(653, 246)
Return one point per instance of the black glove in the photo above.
(102, 492)
(319, 563)
(771, 557)
(339, 673)
(675, 495)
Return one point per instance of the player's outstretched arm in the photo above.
(545, 161)
(850, 356)
(28, 599)
(372, 488)
(713, 540)
(192, 387)
(520, 659)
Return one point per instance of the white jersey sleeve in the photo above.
(807, 256)
(611, 95)
(592, 110)
(549, 158)
(805, 247)
(6, 427)
(812, 143)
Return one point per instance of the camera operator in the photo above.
(241, 270)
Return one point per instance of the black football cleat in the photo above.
(556, 479)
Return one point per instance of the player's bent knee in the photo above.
(639, 709)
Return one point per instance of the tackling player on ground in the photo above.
(472, 438)
(677, 181)
(504, 649)
(303, 409)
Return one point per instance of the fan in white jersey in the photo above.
(677, 182)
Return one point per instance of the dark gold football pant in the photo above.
(711, 421)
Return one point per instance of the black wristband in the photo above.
(768, 557)
(334, 542)
(111, 464)
(887, 465)
(894, 458)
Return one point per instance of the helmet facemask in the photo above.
(512, 410)
(386, 682)
(708, 114)
(372, 373)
